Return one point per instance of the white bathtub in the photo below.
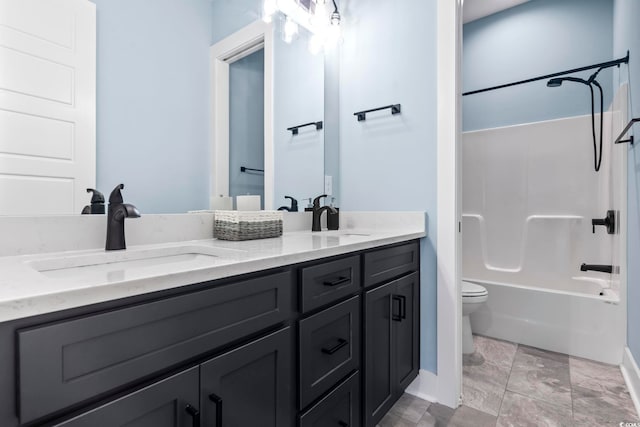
(584, 319)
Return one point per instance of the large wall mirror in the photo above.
(153, 107)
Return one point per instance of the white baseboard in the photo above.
(425, 386)
(631, 375)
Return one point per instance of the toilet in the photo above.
(473, 295)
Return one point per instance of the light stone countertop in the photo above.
(25, 291)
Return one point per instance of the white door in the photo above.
(47, 105)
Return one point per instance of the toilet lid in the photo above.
(472, 289)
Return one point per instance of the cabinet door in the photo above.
(406, 323)
(380, 374)
(172, 402)
(249, 386)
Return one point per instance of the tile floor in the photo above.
(506, 384)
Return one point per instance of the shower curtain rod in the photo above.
(608, 64)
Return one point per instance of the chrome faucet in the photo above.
(317, 213)
(117, 213)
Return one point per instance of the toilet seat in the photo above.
(471, 290)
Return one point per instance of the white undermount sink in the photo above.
(132, 263)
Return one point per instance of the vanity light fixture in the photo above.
(269, 8)
(290, 29)
(312, 15)
(333, 32)
(316, 44)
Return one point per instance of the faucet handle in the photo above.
(294, 203)
(116, 195)
(316, 201)
(97, 197)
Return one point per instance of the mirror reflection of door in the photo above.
(246, 126)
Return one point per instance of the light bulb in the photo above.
(315, 44)
(333, 36)
(290, 30)
(269, 8)
(319, 18)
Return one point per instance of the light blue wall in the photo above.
(388, 163)
(536, 38)
(298, 98)
(246, 125)
(153, 102)
(332, 120)
(627, 37)
(228, 16)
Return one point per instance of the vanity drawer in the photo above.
(324, 283)
(386, 264)
(329, 348)
(341, 407)
(67, 362)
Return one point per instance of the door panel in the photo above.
(249, 386)
(406, 329)
(162, 404)
(47, 105)
(380, 355)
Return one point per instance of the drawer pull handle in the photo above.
(195, 415)
(339, 281)
(343, 424)
(402, 308)
(218, 401)
(341, 343)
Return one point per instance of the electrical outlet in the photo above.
(328, 185)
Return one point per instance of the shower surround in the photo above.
(529, 194)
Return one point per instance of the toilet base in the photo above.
(467, 336)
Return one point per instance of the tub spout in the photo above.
(595, 267)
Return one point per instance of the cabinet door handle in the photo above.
(218, 401)
(402, 308)
(339, 281)
(343, 424)
(195, 415)
(331, 350)
(396, 317)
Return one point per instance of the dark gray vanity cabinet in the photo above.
(172, 402)
(391, 344)
(317, 344)
(249, 386)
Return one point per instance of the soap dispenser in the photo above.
(333, 217)
(309, 207)
(97, 203)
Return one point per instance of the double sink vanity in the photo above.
(308, 329)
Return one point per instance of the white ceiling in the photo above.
(476, 9)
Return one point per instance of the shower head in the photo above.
(554, 83)
(558, 81)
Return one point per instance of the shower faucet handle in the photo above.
(609, 221)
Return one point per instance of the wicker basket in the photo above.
(247, 225)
